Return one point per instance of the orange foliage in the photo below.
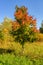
(18, 14)
(25, 19)
(15, 25)
(34, 22)
(34, 29)
(23, 22)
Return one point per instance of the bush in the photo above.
(11, 47)
(40, 37)
(33, 50)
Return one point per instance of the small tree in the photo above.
(24, 27)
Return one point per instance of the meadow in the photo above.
(31, 54)
(10, 59)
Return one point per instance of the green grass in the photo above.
(30, 54)
(10, 59)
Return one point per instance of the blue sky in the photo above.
(35, 8)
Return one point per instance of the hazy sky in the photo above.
(35, 8)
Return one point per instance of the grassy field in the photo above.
(30, 54)
(10, 59)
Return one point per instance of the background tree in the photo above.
(6, 27)
(41, 28)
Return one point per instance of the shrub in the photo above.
(34, 50)
(40, 37)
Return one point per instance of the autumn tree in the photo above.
(24, 27)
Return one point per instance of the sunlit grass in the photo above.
(30, 54)
(10, 59)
